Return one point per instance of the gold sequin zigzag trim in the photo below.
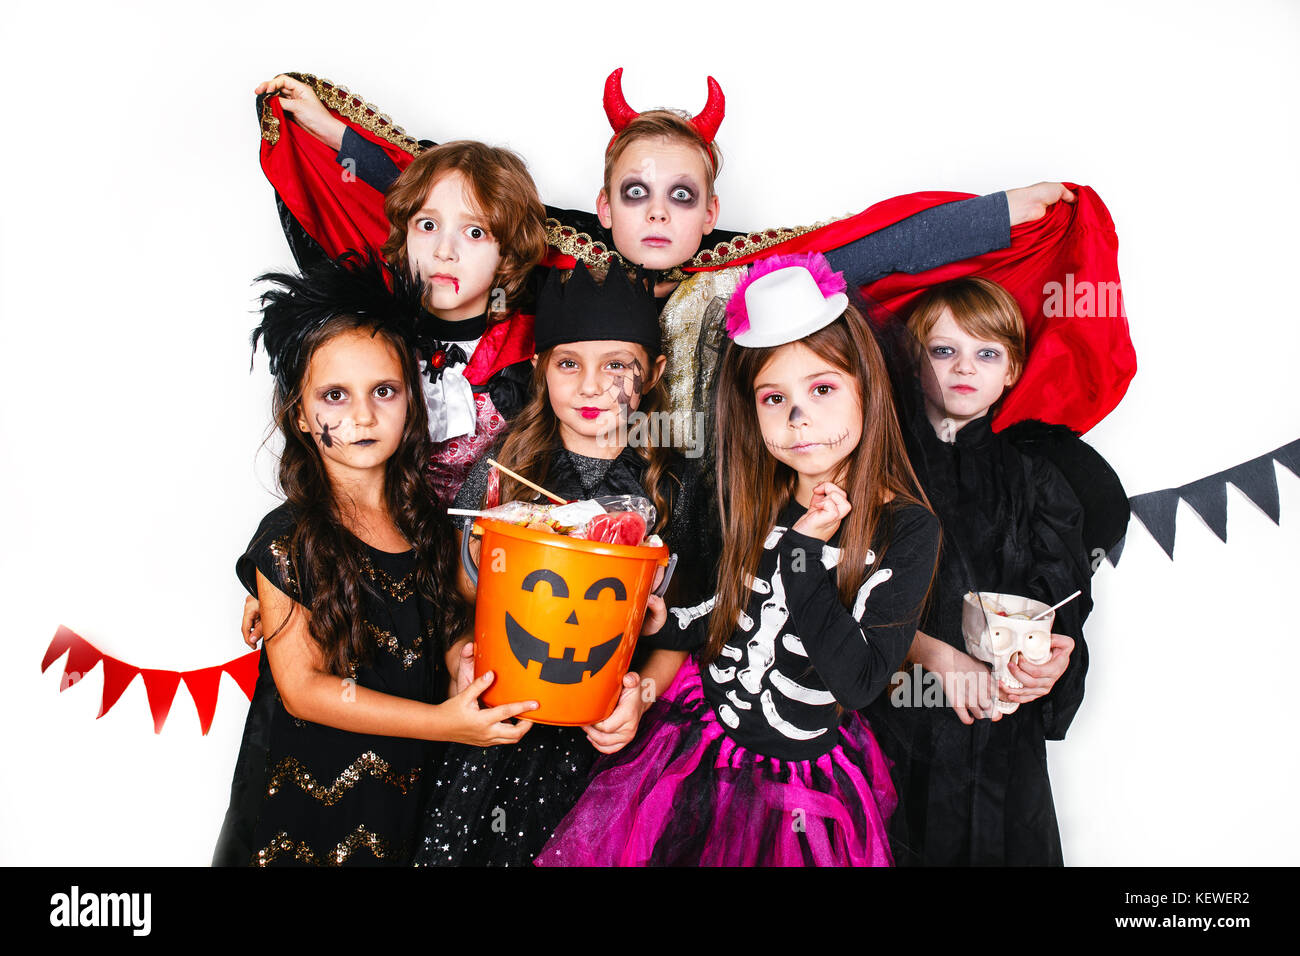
(571, 242)
(360, 837)
(387, 640)
(348, 105)
(398, 589)
(290, 770)
(746, 245)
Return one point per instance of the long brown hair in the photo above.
(534, 437)
(752, 489)
(504, 192)
(326, 557)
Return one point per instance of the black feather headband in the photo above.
(352, 285)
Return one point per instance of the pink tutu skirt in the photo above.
(684, 794)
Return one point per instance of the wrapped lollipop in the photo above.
(623, 519)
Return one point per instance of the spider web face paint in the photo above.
(621, 394)
(595, 387)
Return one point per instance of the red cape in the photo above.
(1062, 269)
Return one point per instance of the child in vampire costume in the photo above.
(910, 236)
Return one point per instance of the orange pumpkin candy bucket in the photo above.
(556, 618)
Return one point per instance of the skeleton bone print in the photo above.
(764, 672)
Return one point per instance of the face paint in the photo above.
(354, 402)
(809, 413)
(449, 245)
(619, 388)
(594, 389)
(795, 444)
(964, 378)
(658, 208)
(343, 432)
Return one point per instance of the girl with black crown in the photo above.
(599, 360)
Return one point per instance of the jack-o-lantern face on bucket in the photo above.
(596, 614)
(572, 606)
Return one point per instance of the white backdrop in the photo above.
(135, 216)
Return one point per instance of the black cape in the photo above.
(980, 794)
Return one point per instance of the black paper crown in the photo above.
(349, 285)
(621, 309)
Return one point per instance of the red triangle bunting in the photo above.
(117, 676)
(59, 644)
(161, 687)
(202, 685)
(82, 657)
(244, 671)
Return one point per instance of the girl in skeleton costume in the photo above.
(599, 359)
(755, 755)
(973, 780)
(354, 573)
(657, 208)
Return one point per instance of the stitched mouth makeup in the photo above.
(806, 447)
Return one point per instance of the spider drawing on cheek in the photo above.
(326, 438)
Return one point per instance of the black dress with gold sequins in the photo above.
(307, 794)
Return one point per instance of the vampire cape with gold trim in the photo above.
(1062, 268)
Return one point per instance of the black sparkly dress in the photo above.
(497, 806)
(305, 794)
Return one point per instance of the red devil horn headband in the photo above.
(706, 122)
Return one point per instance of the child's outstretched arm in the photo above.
(367, 160)
(310, 692)
(1030, 202)
(946, 233)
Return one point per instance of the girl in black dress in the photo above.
(352, 573)
(599, 372)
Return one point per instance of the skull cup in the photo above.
(997, 626)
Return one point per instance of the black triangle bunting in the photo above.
(1289, 455)
(1156, 510)
(1257, 480)
(1208, 497)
